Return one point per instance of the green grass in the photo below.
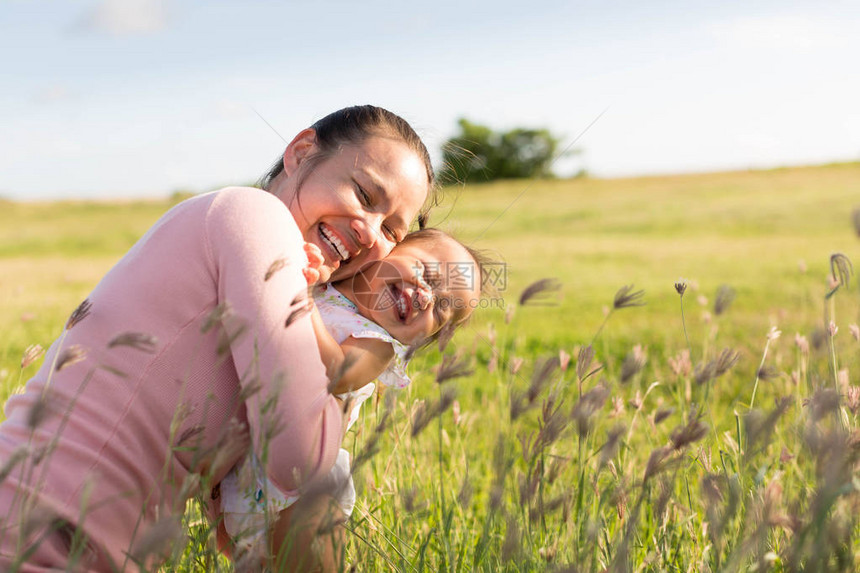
(466, 493)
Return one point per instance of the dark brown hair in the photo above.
(354, 125)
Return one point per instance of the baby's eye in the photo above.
(432, 276)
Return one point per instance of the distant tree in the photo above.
(478, 153)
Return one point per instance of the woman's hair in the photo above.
(354, 125)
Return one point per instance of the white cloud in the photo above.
(128, 17)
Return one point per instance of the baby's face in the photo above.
(419, 288)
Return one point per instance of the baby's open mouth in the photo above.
(402, 304)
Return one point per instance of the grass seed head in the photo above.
(587, 406)
(452, 366)
(69, 356)
(158, 542)
(537, 292)
(79, 314)
(626, 297)
(137, 340)
(583, 362)
(693, 431)
(633, 363)
(31, 354)
(723, 300)
(274, 267)
(662, 414)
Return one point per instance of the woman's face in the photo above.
(355, 204)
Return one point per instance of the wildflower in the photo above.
(539, 290)
(493, 363)
(31, 354)
(516, 364)
(636, 401)
(79, 313)
(785, 456)
(855, 331)
(681, 287)
(842, 379)
(773, 333)
(723, 300)
(617, 407)
(71, 355)
(852, 399)
(137, 340)
(624, 298)
(801, 342)
(563, 360)
(702, 300)
(832, 329)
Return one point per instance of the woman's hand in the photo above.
(314, 271)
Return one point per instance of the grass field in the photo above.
(656, 462)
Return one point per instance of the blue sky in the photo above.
(127, 98)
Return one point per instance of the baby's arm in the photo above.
(353, 363)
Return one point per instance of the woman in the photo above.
(198, 333)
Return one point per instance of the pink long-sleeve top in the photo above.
(129, 423)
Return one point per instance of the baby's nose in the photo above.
(423, 297)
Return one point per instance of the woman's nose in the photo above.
(368, 230)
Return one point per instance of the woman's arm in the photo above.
(257, 257)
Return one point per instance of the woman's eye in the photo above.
(389, 233)
(362, 195)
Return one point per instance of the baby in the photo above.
(364, 327)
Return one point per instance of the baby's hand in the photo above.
(315, 261)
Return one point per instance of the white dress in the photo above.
(248, 499)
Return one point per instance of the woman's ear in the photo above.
(300, 148)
